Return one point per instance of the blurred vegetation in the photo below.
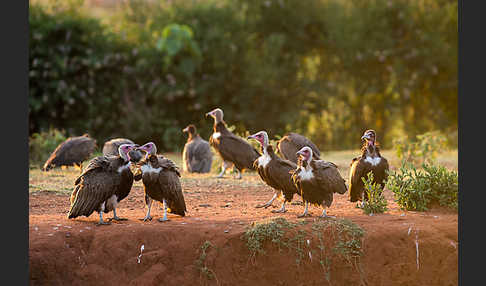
(328, 69)
(42, 144)
(424, 149)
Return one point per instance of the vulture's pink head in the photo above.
(217, 114)
(149, 149)
(261, 137)
(124, 149)
(370, 137)
(191, 129)
(305, 153)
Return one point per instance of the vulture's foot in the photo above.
(326, 216)
(279, 211)
(103, 223)
(117, 218)
(304, 215)
(147, 218)
(266, 205)
(163, 219)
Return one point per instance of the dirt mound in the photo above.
(208, 247)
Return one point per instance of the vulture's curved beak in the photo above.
(185, 130)
(251, 137)
(210, 113)
(366, 136)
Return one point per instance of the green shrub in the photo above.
(376, 200)
(42, 144)
(416, 189)
(424, 149)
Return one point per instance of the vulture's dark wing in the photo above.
(93, 187)
(359, 168)
(169, 182)
(327, 174)
(280, 173)
(237, 150)
(293, 142)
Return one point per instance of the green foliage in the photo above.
(424, 149)
(201, 261)
(416, 189)
(376, 202)
(156, 66)
(42, 144)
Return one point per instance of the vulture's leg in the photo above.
(164, 218)
(281, 210)
(324, 214)
(148, 201)
(101, 220)
(269, 203)
(115, 217)
(305, 213)
(239, 173)
(224, 166)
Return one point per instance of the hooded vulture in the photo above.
(160, 177)
(274, 171)
(369, 161)
(104, 183)
(232, 149)
(71, 152)
(197, 156)
(288, 146)
(110, 148)
(317, 180)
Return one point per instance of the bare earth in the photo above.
(399, 247)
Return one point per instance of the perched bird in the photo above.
(104, 183)
(197, 156)
(369, 161)
(71, 152)
(274, 171)
(317, 180)
(111, 148)
(232, 149)
(292, 142)
(160, 177)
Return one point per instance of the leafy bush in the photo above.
(376, 200)
(416, 189)
(424, 149)
(42, 144)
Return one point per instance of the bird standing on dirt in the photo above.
(292, 142)
(274, 171)
(317, 181)
(197, 156)
(160, 177)
(369, 161)
(71, 152)
(104, 183)
(232, 149)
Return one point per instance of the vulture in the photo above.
(233, 150)
(160, 178)
(274, 171)
(103, 184)
(197, 156)
(111, 147)
(292, 142)
(71, 152)
(370, 160)
(317, 180)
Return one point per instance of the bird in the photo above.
(317, 181)
(369, 161)
(233, 149)
(103, 184)
(292, 142)
(160, 178)
(111, 147)
(274, 171)
(197, 156)
(72, 152)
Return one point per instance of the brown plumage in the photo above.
(197, 156)
(369, 161)
(103, 184)
(71, 152)
(232, 149)
(292, 142)
(274, 171)
(317, 180)
(160, 177)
